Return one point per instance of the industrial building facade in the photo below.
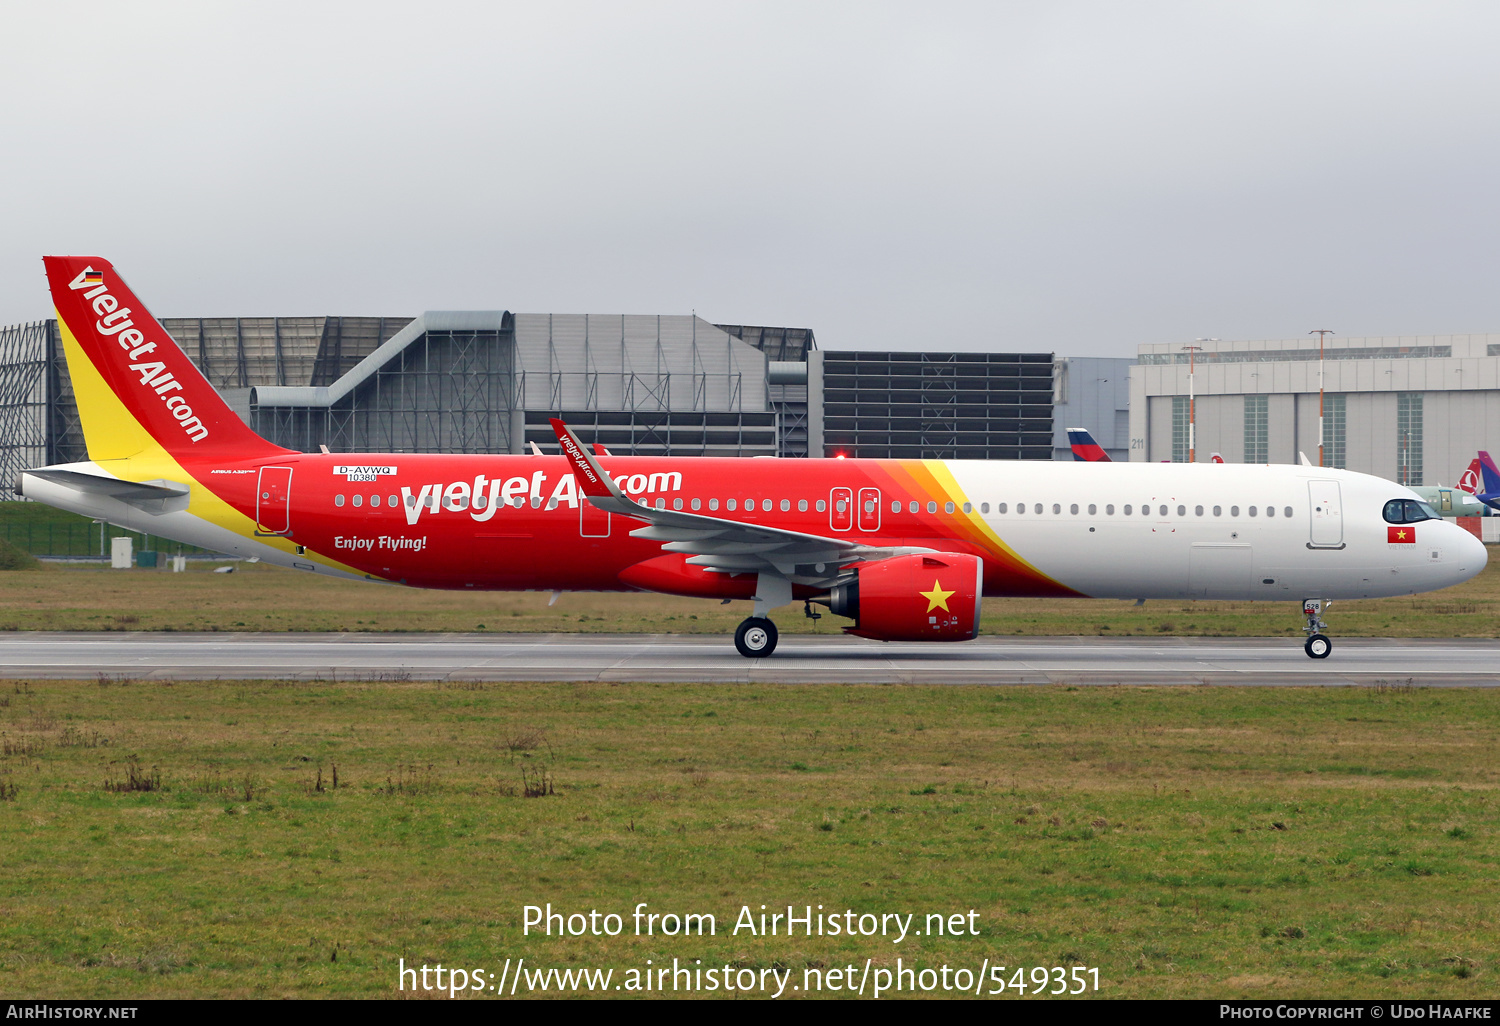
(1411, 409)
(490, 381)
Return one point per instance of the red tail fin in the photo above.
(1471, 480)
(125, 367)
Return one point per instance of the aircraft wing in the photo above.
(718, 545)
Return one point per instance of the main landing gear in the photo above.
(1318, 644)
(756, 637)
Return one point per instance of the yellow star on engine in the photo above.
(937, 598)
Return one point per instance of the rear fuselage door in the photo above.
(273, 501)
(1327, 522)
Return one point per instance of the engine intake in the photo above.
(920, 597)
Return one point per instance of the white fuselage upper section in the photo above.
(1218, 531)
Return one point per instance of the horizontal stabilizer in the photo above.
(158, 496)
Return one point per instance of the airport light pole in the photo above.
(1192, 352)
(1322, 334)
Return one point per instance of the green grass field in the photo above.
(1185, 841)
(261, 597)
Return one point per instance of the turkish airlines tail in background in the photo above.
(1471, 480)
(1085, 449)
(137, 390)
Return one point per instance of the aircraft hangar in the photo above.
(488, 382)
(1411, 409)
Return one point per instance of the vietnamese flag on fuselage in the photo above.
(1406, 535)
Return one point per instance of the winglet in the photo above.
(589, 476)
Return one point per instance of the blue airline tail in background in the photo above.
(1489, 490)
(1085, 449)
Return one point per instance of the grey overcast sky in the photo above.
(1075, 177)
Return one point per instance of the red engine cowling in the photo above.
(928, 597)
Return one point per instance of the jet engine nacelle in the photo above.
(921, 597)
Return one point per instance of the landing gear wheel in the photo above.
(756, 638)
(1318, 646)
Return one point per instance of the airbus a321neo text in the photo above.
(907, 549)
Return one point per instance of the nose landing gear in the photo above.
(1318, 644)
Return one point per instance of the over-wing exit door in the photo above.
(273, 501)
(869, 509)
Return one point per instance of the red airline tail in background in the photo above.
(1085, 449)
(1472, 479)
(136, 388)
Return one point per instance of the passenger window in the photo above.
(1182, 511)
(374, 500)
(1234, 511)
(536, 502)
(480, 501)
(1002, 508)
(948, 507)
(1093, 509)
(1056, 508)
(931, 507)
(1270, 511)
(984, 507)
(1287, 512)
(914, 507)
(765, 505)
(895, 505)
(821, 505)
(358, 500)
(968, 507)
(697, 504)
(732, 504)
(801, 505)
(338, 500)
(1197, 511)
(1037, 508)
(1162, 511)
(1218, 511)
(1109, 510)
(676, 503)
(1020, 507)
(1251, 511)
(390, 500)
(713, 503)
(786, 505)
(1128, 508)
(1073, 509)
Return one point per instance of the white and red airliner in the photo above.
(905, 548)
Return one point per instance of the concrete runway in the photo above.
(799, 659)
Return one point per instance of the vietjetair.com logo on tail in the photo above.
(114, 321)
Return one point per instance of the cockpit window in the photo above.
(1408, 511)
